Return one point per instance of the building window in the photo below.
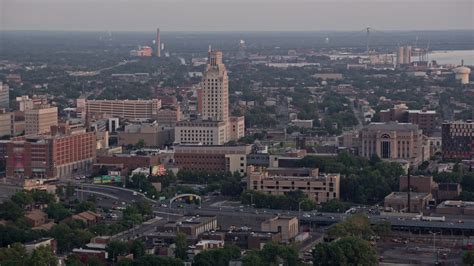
(385, 146)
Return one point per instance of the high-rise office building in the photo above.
(214, 127)
(39, 120)
(4, 96)
(215, 86)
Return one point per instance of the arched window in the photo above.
(385, 146)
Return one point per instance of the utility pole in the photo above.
(409, 188)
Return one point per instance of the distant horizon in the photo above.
(229, 31)
(236, 15)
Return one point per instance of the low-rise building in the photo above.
(244, 238)
(302, 123)
(287, 226)
(129, 162)
(86, 254)
(45, 241)
(456, 207)
(36, 218)
(418, 183)
(211, 158)
(399, 201)
(192, 226)
(448, 191)
(88, 217)
(152, 134)
(318, 187)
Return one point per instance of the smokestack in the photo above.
(158, 43)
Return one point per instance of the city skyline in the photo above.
(184, 15)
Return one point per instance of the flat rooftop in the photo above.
(404, 195)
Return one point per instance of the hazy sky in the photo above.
(236, 15)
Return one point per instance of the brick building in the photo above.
(458, 140)
(129, 162)
(211, 158)
(49, 157)
(399, 201)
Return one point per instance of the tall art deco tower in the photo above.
(215, 86)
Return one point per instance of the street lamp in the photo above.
(299, 209)
(434, 244)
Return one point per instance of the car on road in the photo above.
(135, 193)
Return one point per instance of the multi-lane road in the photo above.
(110, 196)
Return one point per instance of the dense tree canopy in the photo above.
(345, 251)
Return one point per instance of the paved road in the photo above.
(127, 196)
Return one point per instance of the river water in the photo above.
(453, 57)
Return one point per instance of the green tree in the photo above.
(95, 261)
(125, 262)
(151, 260)
(275, 253)
(43, 256)
(69, 190)
(69, 236)
(73, 260)
(231, 188)
(57, 211)
(345, 251)
(9, 210)
(42, 197)
(181, 246)
(137, 248)
(468, 258)
(382, 228)
(334, 206)
(218, 257)
(356, 226)
(140, 144)
(85, 206)
(117, 248)
(22, 199)
(14, 255)
(253, 259)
